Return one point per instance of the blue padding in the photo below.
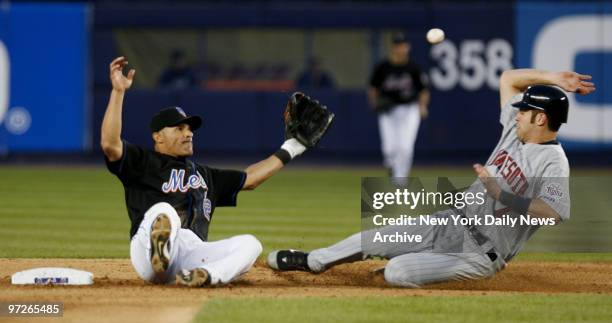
(231, 120)
(362, 130)
(103, 53)
(48, 55)
(412, 15)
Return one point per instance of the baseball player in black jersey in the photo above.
(398, 94)
(171, 199)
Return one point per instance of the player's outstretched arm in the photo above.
(110, 138)
(306, 122)
(261, 171)
(516, 81)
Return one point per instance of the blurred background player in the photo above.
(398, 94)
(314, 76)
(178, 75)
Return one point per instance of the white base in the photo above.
(52, 276)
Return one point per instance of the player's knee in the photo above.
(165, 208)
(397, 275)
(252, 243)
(162, 206)
(257, 246)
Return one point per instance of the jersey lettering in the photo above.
(402, 84)
(176, 182)
(509, 169)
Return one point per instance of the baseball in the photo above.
(435, 36)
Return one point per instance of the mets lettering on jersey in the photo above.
(176, 182)
(510, 171)
(401, 84)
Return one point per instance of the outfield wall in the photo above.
(44, 80)
(63, 110)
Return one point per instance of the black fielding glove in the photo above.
(306, 119)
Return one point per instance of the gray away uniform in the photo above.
(457, 252)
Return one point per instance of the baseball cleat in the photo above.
(193, 278)
(288, 260)
(160, 243)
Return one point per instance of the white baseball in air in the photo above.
(435, 36)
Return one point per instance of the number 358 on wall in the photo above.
(471, 65)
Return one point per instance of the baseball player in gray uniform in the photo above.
(527, 173)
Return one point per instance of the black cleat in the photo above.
(288, 260)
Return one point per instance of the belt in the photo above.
(481, 240)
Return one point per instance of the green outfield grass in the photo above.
(80, 213)
(490, 308)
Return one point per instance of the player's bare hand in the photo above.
(574, 82)
(424, 112)
(121, 82)
(489, 182)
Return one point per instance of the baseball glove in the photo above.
(306, 119)
(384, 104)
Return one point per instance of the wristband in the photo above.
(293, 147)
(290, 149)
(517, 203)
(283, 155)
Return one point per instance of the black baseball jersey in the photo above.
(194, 190)
(397, 84)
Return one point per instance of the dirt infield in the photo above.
(118, 294)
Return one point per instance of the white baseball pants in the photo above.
(398, 131)
(225, 260)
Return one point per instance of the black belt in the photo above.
(481, 239)
(492, 255)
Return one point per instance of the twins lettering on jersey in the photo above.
(509, 169)
(176, 182)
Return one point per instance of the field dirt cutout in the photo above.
(118, 295)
